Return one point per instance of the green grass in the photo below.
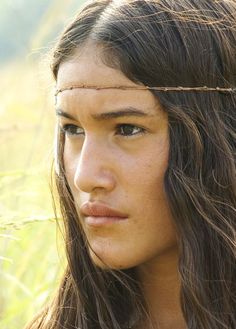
(30, 267)
(29, 274)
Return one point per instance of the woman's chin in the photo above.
(107, 262)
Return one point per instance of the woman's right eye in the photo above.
(72, 130)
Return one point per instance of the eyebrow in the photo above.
(127, 112)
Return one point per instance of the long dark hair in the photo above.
(185, 43)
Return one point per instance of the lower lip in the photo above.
(101, 221)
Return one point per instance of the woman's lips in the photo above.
(98, 214)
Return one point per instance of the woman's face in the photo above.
(115, 156)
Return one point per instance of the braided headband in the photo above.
(163, 89)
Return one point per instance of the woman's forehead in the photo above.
(86, 67)
(96, 101)
(86, 80)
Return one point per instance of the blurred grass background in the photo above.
(30, 267)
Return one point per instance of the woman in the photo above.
(146, 108)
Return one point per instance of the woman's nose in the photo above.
(94, 168)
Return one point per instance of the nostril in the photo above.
(93, 176)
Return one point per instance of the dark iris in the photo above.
(127, 129)
(70, 129)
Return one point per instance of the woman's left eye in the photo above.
(128, 130)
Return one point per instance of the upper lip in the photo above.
(98, 209)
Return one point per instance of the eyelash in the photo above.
(70, 130)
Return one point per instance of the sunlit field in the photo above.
(30, 265)
(31, 260)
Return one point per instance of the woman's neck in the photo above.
(160, 283)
